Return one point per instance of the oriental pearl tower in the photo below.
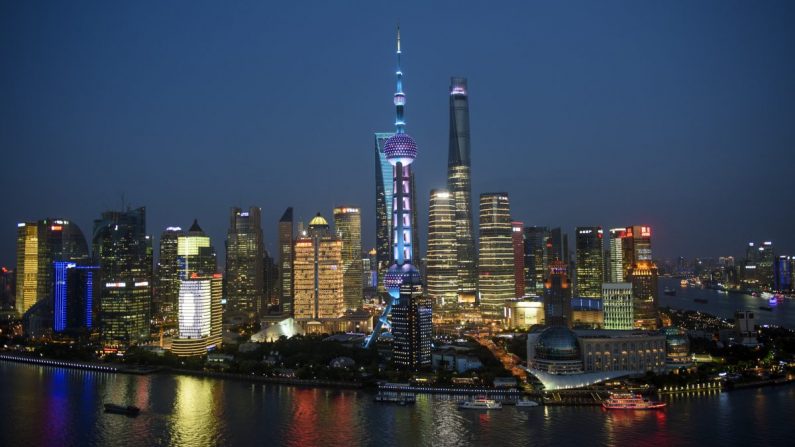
(400, 150)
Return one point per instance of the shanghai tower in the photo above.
(458, 183)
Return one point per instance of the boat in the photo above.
(480, 403)
(669, 291)
(129, 410)
(397, 398)
(700, 300)
(683, 283)
(766, 295)
(767, 308)
(631, 401)
(526, 403)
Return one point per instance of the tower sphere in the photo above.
(400, 148)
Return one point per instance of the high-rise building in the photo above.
(616, 258)
(7, 288)
(558, 246)
(784, 273)
(517, 239)
(496, 259)
(39, 245)
(124, 253)
(535, 258)
(195, 254)
(383, 207)
(635, 246)
(618, 306)
(74, 296)
(410, 310)
(459, 185)
(442, 257)
(764, 266)
(348, 225)
(318, 283)
(166, 292)
(200, 316)
(244, 254)
(557, 295)
(590, 264)
(643, 277)
(286, 241)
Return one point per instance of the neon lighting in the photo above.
(113, 285)
(142, 284)
(89, 299)
(56, 228)
(60, 295)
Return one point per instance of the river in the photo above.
(51, 406)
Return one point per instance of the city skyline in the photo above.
(101, 110)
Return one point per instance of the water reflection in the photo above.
(194, 417)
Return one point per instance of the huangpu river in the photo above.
(52, 406)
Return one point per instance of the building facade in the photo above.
(535, 259)
(166, 292)
(195, 254)
(74, 297)
(200, 315)
(318, 282)
(496, 255)
(616, 256)
(286, 256)
(442, 255)
(557, 295)
(244, 256)
(517, 240)
(589, 263)
(618, 306)
(644, 277)
(348, 225)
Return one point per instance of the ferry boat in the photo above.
(630, 401)
(480, 403)
(129, 410)
(526, 403)
(397, 398)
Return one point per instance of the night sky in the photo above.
(676, 114)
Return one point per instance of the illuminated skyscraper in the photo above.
(166, 293)
(195, 253)
(765, 265)
(442, 257)
(535, 258)
(635, 246)
(410, 310)
(39, 245)
(590, 264)
(124, 252)
(74, 296)
(348, 225)
(286, 241)
(458, 183)
(616, 273)
(618, 306)
(517, 239)
(496, 259)
(318, 283)
(557, 295)
(244, 255)
(199, 315)
(643, 277)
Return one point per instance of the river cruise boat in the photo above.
(480, 403)
(526, 403)
(631, 401)
(129, 410)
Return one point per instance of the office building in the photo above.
(459, 185)
(523, 313)
(618, 306)
(166, 292)
(589, 264)
(643, 277)
(635, 246)
(616, 256)
(200, 316)
(195, 254)
(496, 257)
(244, 254)
(74, 297)
(557, 295)
(765, 270)
(442, 256)
(535, 258)
(348, 225)
(517, 240)
(286, 241)
(317, 269)
(587, 313)
(123, 251)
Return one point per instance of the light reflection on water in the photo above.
(53, 406)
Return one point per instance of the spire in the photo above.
(400, 98)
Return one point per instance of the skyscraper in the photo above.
(348, 225)
(411, 312)
(286, 241)
(496, 259)
(618, 306)
(195, 254)
(39, 245)
(636, 246)
(244, 254)
(589, 266)
(200, 318)
(616, 273)
(557, 295)
(643, 277)
(458, 183)
(535, 258)
(442, 257)
(517, 239)
(74, 296)
(764, 266)
(124, 252)
(383, 206)
(166, 292)
(318, 284)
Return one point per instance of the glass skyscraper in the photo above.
(245, 252)
(535, 258)
(517, 239)
(166, 293)
(459, 185)
(616, 273)
(348, 225)
(318, 284)
(589, 261)
(496, 260)
(442, 260)
(286, 241)
(195, 254)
